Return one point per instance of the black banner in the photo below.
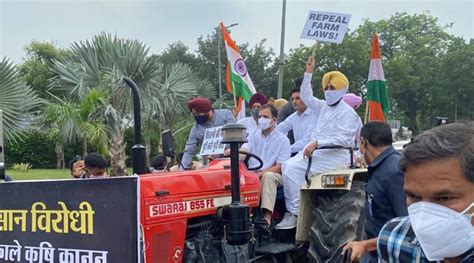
(81, 220)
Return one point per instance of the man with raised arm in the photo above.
(337, 125)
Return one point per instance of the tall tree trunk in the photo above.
(59, 150)
(412, 115)
(147, 152)
(84, 148)
(117, 155)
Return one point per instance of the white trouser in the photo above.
(295, 168)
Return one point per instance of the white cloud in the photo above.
(158, 23)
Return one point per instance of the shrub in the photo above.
(37, 148)
(21, 167)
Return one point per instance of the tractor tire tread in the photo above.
(338, 218)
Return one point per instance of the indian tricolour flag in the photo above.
(238, 79)
(377, 95)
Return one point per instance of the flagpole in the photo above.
(315, 46)
(219, 64)
(219, 60)
(235, 96)
(366, 115)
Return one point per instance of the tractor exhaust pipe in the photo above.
(138, 150)
(2, 156)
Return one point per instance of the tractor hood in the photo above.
(187, 194)
(215, 178)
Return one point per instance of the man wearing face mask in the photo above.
(301, 122)
(256, 101)
(352, 100)
(384, 190)
(206, 117)
(274, 148)
(337, 125)
(439, 184)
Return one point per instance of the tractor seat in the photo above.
(280, 193)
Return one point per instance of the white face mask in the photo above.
(264, 123)
(441, 231)
(333, 96)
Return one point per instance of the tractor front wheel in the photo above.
(338, 218)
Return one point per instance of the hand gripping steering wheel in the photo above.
(247, 158)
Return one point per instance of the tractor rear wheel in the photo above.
(338, 218)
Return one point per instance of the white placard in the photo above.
(212, 142)
(325, 26)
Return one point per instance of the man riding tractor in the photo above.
(210, 215)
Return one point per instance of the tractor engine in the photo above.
(205, 242)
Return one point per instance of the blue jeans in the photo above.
(370, 257)
(8, 178)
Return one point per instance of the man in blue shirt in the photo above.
(206, 117)
(384, 190)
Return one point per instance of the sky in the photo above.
(161, 22)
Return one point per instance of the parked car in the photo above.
(398, 145)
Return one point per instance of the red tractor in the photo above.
(211, 215)
(179, 211)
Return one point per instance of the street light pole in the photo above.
(219, 66)
(282, 51)
(455, 111)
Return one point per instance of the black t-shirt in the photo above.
(284, 113)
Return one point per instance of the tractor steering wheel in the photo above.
(247, 158)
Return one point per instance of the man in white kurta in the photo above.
(301, 122)
(337, 124)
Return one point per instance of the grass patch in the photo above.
(39, 174)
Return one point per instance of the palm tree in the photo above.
(17, 101)
(60, 120)
(101, 63)
(70, 122)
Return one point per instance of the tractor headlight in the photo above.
(334, 180)
(234, 133)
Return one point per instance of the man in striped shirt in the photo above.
(439, 184)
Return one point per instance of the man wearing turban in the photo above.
(352, 100)
(279, 103)
(256, 102)
(206, 117)
(337, 125)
